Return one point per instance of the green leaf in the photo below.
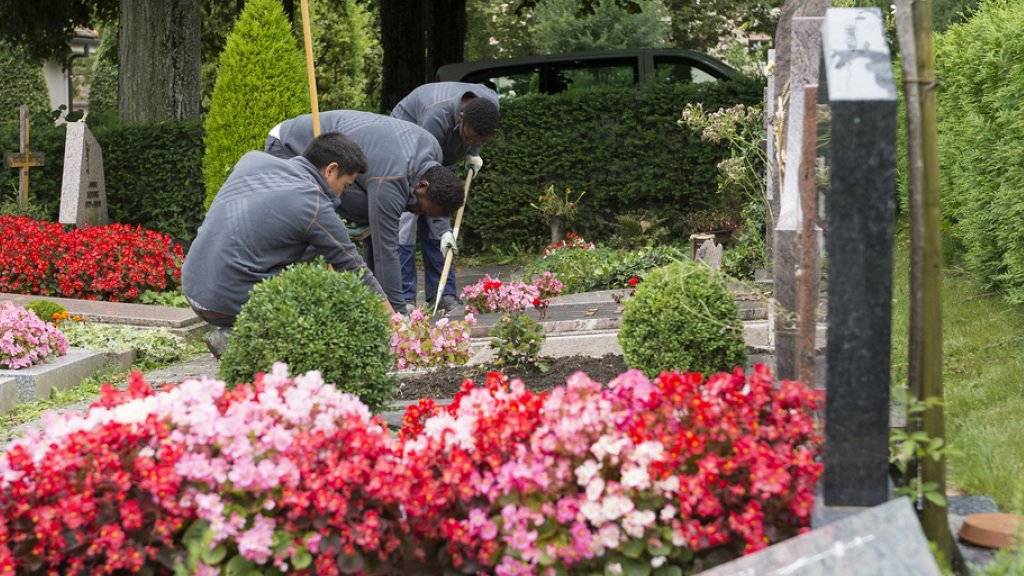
(636, 567)
(215, 555)
(350, 564)
(935, 498)
(301, 558)
(668, 570)
(238, 566)
(659, 548)
(633, 548)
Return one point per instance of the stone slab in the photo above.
(119, 312)
(201, 365)
(8, 387)
(122, 360)
(60, 373)
(882, 541)
(959, 508)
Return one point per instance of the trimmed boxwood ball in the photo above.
(683, 317)
(314, 319)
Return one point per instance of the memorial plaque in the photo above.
(886, 540)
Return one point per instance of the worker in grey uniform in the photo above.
(267, 215)
(404, 174)
(461, 117)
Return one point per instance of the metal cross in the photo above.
(24, 158)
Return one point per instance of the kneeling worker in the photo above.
(265, 217)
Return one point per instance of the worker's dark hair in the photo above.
(335, 147)
(445, 188)
(482, 116)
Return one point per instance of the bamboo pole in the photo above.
(928, 291)
(450, 255)
(307, 40)
(908, 56)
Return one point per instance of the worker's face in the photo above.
(470, 137)
(336, 180)
(424, 206)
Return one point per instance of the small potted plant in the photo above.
(559, 210)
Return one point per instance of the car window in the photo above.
(584, 75)
(676, 70)
(510, 83)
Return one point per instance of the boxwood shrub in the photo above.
(982, 142)
(621, 146)
(314, 319)
(683, 317)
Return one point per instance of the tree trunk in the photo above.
(446, 39)
(159, 57)
(402, 31)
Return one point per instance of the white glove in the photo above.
(474, 163)
(448, 241)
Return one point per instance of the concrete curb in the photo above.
(36, 382)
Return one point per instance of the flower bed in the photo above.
(288, 473)
(418, 344)
(115, 262)
(25, 339)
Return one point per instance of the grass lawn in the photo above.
(984, 380)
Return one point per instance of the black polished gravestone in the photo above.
(860, 211)
(882, 541)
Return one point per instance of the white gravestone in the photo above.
(83, 194)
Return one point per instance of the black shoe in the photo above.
(449, 303)
(217, 341)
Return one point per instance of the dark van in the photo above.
(581, 70)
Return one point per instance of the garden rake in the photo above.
(450, 254)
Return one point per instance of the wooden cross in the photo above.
(24, 158)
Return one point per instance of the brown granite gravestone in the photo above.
(783, 34)
(83, 195)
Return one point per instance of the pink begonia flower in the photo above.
(254, 543)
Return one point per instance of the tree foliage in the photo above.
(43, 27)
(342, 39)
(261, 81)
(562, 26)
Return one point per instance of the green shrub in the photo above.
(261, 80)
(342, 37)
(982, 142)
(153, 172)
(748, 253)
(173, 298)
(622, 146)
(103, 86)
(23, 84)
(601, 268)
(516, 340)
(314, 319)
(45, 309)
(682, 318)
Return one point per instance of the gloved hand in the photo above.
(474, 163)
(448, 240)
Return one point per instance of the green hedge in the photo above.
(153, 172)
(23, 83)
(982, 142)
(623, 147)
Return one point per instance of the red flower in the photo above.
(633, 281)
(115, 262)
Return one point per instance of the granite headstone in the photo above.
(805, 54)
(83, 194)
(886, 540)
(862, 100)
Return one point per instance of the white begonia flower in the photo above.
(586, 471)
(594, 489)
(636, 477)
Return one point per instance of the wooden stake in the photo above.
(926, 259)
(450, 255)
(307, 40)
